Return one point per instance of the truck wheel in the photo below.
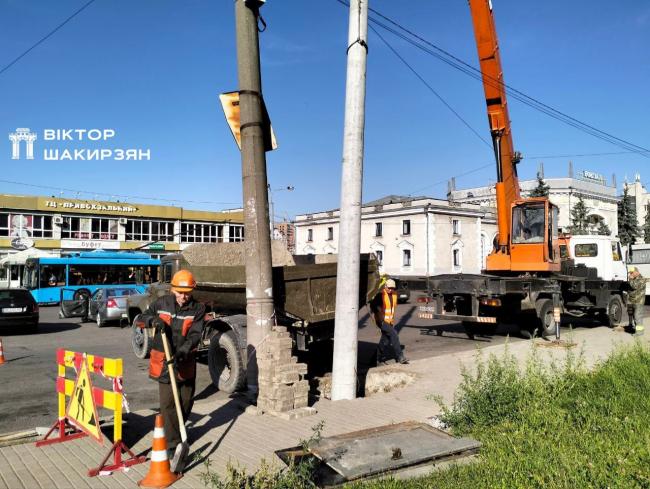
(529, 325)
(471, 329)
(225, 363)
(546, 318)
(140, 341)
(614, 311)
(478, 329)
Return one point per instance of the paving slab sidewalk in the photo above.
(225, 432)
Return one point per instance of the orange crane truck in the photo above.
(526, 280)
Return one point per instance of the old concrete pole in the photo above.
(259, 280)
(344, 369)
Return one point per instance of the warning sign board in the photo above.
(230, 105)
(81, 409)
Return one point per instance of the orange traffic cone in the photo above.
(2, 353)
(159, 475)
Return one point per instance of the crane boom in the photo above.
(527, 228)
(497, 108)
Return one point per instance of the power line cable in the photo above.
(43, 39)
(475, 73)
(540, 105)
(135, 197)
(489, 145)
(577, 155)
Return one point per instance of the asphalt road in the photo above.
(27, 379)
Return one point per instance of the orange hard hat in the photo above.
(183, 281)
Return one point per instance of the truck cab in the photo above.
(602, 253)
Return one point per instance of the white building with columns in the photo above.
(598, 195)
(411, 236)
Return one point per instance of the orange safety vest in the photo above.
(389, 305)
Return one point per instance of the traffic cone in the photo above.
(2, 353)
(159, 475)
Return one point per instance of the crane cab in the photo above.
(533, 244)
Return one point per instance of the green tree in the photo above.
(579, 218)
(603, 229)
(628, 229)
(542, 189)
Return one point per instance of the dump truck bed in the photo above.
(304, 286)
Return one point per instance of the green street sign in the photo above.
(156, 246)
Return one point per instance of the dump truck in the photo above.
(304, 294)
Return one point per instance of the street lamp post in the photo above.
(272, 216)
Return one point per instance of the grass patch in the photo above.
(550, 426)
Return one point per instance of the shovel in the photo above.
(182, 449)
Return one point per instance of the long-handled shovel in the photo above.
(183, 448)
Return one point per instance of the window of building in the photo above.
(4, 224)
(378, 229)
(235, 233)
(137, 230)
(380, 256)
(455, 227)
(103, 228)
(202, 233)
(42, 227)
(330, 233)
(406, 258)
(406, 227)
(310, 235)
(457, 261)
(25, 225)
(88, 228)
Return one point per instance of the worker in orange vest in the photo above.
(383, 308)
(181, 317)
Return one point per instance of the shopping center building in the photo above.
(59, 225)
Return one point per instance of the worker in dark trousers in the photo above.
(181, 317)
(383, 307)
(636, 301)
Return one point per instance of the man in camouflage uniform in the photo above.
(636, 301)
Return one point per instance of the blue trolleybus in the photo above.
(81, 274)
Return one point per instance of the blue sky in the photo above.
(152, 70)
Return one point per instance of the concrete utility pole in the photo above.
(344, 369)
(259, 280)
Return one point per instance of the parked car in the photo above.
(403, 291)
(18, 308)
(109, 304)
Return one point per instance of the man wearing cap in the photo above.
(636, 301)
(383, 308)
(181, 317)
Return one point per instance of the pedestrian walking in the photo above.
(181, 317)
(383, 308)
(636, 301)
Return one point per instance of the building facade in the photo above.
(641, 199)
(286, 232)
(599, 197)
(411, 237)
(60, 225)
